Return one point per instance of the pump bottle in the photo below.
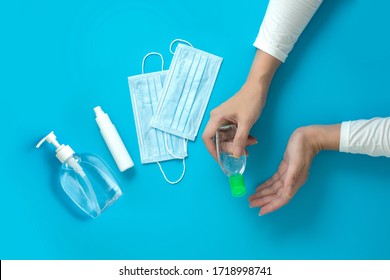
(85, 178)
(233, 167)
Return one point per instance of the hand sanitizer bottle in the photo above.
(85, 178)
(233, 167)
(113, 140)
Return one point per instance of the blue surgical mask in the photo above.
(154, 145)
(186, 91)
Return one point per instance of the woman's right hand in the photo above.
(243, 109)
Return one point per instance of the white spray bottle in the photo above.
(113, 140)
(85, 178)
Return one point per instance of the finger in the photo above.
(273, 189)
(273, 205)
(279, 175)
(208, 134)
(229, 146)
(291, 181)
(240, 139)
(264, 192)
(251, 141)
(260, 202)
(269, 182)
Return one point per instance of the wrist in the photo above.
(261, 74)
(257, 89)
(323, 137)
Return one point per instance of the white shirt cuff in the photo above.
(344, 136)
(271, 50)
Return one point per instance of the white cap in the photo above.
(102, 119)
(63, 152)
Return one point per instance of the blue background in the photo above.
(59, 59)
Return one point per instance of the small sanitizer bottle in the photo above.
(233, 167)
(85, 178)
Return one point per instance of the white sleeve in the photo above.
(370, 137)
(283, 22)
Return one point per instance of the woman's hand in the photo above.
(294, 169)
(244, 108)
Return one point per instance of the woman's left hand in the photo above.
(303, 145)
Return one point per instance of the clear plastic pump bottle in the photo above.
(233, 167)
(85, 178)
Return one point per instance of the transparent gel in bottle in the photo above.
(85, 178)
(231, 166)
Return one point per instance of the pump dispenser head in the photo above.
(63, 152)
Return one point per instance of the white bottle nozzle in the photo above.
(113, 140)
(98, 111)
(63, 152)
(50, 138)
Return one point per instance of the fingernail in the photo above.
(250, 206)
(260, 214)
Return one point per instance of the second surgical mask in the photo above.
(186, 91)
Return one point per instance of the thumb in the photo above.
(240, 140)
(290, 181)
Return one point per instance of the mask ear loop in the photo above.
(178, 40)
(170, 152)
(165, 176)
(149, 54)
